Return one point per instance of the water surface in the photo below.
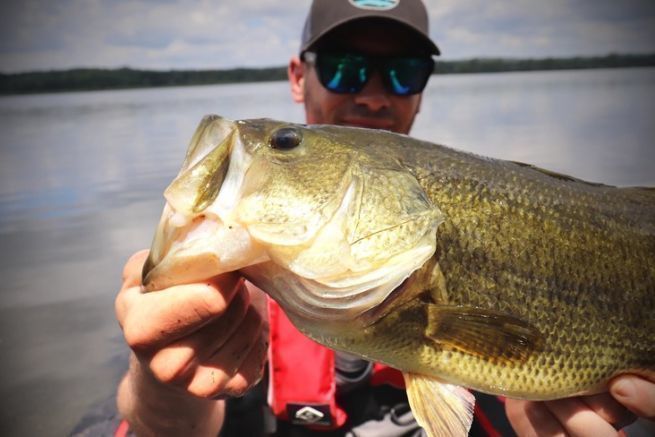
(81, 177)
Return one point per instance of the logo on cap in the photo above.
(379, 5)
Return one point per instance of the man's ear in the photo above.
(296, 74)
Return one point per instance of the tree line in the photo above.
(493, 65)
(81, 79)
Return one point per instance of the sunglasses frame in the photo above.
(381, 64)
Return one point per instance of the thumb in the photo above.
(133, 268)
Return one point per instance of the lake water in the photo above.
(81, 177)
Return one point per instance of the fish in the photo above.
(459, 270)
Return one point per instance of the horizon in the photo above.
(272, 67)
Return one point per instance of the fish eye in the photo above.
(285, 138)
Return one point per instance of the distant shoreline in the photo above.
(91, 79)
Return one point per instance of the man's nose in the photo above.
(374, 95)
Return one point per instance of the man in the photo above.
(197, 345)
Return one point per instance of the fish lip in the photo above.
(167, 232)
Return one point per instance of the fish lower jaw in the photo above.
(204, 249)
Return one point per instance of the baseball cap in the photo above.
(326, 15)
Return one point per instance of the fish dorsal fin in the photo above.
(556, 175)
(440, 409)
(640, 193)
(490, 334)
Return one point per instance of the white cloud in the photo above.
(519, 28)
(42, 34)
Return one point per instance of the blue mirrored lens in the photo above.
(398, 87)
(348, 73)
(406, 76)
(342, 73)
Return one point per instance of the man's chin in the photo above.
(368, 123)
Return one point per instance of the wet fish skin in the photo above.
(573, 259)
(542, 286)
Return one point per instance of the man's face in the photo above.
(374, 106)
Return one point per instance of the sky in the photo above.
(214, 34)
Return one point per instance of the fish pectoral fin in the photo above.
(441, 409)
(486, 333)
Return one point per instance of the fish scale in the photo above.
(589, 242)
(451, 267)
(578, 241)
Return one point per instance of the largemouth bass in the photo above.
(459, 270)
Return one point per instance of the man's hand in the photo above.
(598, 415)
(191, 343)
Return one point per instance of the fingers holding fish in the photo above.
(217, 374)
(187, 335)
(173, 363)
(531, 419)
(609, 409)
(579, 419)
(578, 416)
(153, 320)
(251, 370)
(636, 393)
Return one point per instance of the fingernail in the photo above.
(624, 388)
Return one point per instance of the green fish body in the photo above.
(454, 268)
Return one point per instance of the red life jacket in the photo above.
(302, 382)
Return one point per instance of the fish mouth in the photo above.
(204, 248)
(200, 202)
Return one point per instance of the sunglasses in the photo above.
(348, 73)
